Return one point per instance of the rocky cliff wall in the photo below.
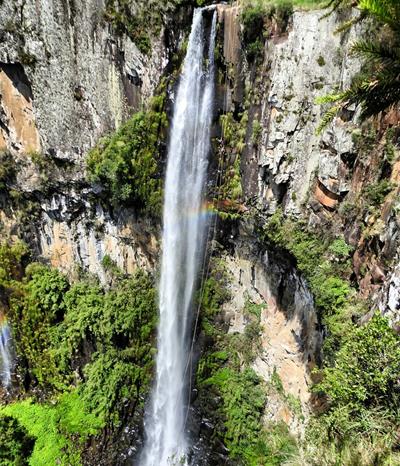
(73, 78)
(66, 80)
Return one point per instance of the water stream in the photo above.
(183, 241)
(5, 353)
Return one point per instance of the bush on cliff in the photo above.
(127, 163)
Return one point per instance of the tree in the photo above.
(377, 86)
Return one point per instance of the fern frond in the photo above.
(328, 117)
(330, 98)
(376, 52)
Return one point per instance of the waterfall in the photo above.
(183, 241)
(5, 353)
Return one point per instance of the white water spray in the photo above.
(5, 353)
(183, 249)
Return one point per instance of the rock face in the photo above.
(19, 131)
(290, 340)
(66, 80)
(310, 62)
(75, 79)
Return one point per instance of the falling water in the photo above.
(5, 353)
(183, 248)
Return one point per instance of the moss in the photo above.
(53, 427)
(321, 61)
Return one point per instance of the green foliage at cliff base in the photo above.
(359, 379)
(360, 422)
(53, 426)
(84, 353)
(16, 443)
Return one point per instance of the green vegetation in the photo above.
(16, 444)
(84, 352)
(140, 24)
(360, 423)
(229, 192)
(375, 193)
(377, 86)
(257, 17)
(53, 427)
(144, 20)
(253, 17)
(127, 162)
(224, 374)
(325, 263)
(7, 169)
(244, 398)
(361, 368)
(367, 368)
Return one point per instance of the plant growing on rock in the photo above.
(127, 163)
(377, 86)
(362, 392)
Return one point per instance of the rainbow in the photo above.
(3, 321)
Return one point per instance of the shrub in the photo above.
(127, 163)
(7, 169)
(34, 309)
(367, 367)
(243, 399)
(118, 327)
(16, 444)
(253, 22)
(53, 427)
(11, 256)
(360, 421)
(98, 341)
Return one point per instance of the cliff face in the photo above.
(70, 77)
(66, 79)
(310, 62)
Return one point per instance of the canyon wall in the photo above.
(66, 80)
